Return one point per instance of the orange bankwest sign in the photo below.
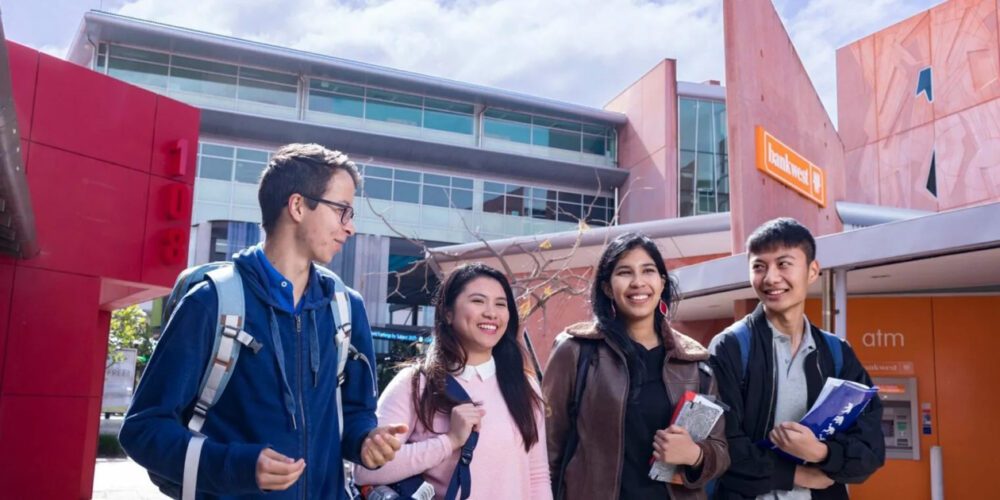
(789, 168)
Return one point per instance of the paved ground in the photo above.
(123, 479)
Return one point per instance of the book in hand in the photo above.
(836, 408)
(697, 414)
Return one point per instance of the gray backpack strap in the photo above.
(340, 306)
(229, 338)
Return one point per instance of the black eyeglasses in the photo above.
(346, 211)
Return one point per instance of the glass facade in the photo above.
(223, 85)
(542, 203)
(409, 186)
(546, 132)
(201, 81)
(337, 98)
(703, 183)
(230, 163)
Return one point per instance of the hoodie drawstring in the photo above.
(279, 351)
(314, 349)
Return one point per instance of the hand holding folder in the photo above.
(836, 408)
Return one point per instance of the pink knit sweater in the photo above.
(500, 467)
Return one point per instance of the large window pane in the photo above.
(514, 205)
(201, 82)
(287, 79)
(461, 199)
(706, 183)
(594, 145)
(392, 113)
(687, 123)
(267, 93)
(406, 191)
(494, 187)
(437, 180)
(461, 182)
(508, 131)
(493, 203)
(203, 65)
(407, 175)
(448, 122)
(336, 87)
(686, 182)
(139, 54)
(555, 138)
(252, 155)
(216, 168)
(436, 196)
(721, 130)
(378, 188)
(248, 172)
(706, 128)
(373, 171)
(336, 104)
(215, 150)
(139, 73)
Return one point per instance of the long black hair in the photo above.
(446, 355)
(607, 321)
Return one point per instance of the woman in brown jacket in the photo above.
(639, 369)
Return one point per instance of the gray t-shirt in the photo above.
(793, 397)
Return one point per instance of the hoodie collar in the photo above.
(257, 280)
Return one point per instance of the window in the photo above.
(703, 181)
(409, 186)
(227, 163)
(548, 204)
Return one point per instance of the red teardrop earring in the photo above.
(663, 308)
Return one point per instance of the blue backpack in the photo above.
(832, 341)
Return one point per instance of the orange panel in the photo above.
(966, 344)
(894, 337)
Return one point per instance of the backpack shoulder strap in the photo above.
(742, 332)
(229, 337)
(587, 350)
(461, 478)
(836, 346)
(704, 377)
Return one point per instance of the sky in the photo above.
(579, 51)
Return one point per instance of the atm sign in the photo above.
(786, 166)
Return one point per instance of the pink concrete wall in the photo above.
(890, 133)
(768, 86)
(647, 144)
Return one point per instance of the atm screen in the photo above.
(888, 428)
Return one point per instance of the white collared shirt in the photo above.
(485, 371)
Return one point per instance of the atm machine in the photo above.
(899, 417)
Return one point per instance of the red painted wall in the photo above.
(110, 170)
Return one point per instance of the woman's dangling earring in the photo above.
(663, 308)
(614, 313)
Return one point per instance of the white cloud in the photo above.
(583, 51)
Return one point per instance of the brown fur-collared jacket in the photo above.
(594, 471)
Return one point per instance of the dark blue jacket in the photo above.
(290, 408)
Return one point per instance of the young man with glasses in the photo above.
(276, 428)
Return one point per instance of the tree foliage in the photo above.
(130, 329)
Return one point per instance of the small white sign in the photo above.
(119, 382)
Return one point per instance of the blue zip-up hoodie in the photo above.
(283, 397)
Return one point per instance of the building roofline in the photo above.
(655, 229)
(122, 27)
(943, 233)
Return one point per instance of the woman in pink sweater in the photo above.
(475, 341)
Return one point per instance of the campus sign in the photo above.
(786, 166)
